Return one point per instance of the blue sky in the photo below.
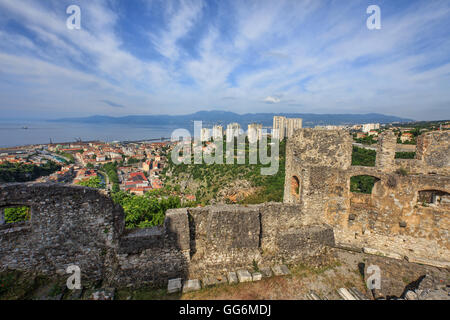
(179, 57)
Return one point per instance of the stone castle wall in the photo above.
(390, 219)
(73, 225)
(68, 225)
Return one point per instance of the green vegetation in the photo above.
(133, 161)
(144, 211)
(68, 156)
(111, 171)
(362, 184)
(363, 157)
(206, 181)
(402, 172)
(17, 214)
(405, 155)
(92, 182)
(366, 140)
(19, 172)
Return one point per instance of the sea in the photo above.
(15, 133)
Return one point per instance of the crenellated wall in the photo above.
(392, 218)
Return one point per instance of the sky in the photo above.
(136, 57)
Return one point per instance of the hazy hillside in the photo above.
(223, 117)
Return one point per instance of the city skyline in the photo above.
(180, 57)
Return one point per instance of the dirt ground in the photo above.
(348, 270)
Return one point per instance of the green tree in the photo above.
(363, 157)
(17, 214)
(92, 182)
(20, 172)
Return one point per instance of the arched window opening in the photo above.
(362, 184)
(295, 186)
(433, 198)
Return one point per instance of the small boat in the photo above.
(25, 128)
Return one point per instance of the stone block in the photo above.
(176, 226)
(281, 270)
(382, 253)
(191, 285)
(434, 263)
(209, 282)
(174, 285)
(244, 276)
(232, 278)
(256, 276)
(266, 272)
(214, 280)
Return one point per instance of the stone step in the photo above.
(191, 285)
(244, 276)
(256, 276)
(174, 285)
(232, 278)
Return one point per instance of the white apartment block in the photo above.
(370, 126)
(285, 127)
(254, 132)
(217, 132)
(205, 134)
(233, 130)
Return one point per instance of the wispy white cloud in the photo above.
(181, 20)
(313, 53)
(270, 99)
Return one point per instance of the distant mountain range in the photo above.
(210, 118)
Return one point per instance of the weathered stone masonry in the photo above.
(392, 218)
(77, 225)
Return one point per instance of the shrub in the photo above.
(17, 214)
(402, 172)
